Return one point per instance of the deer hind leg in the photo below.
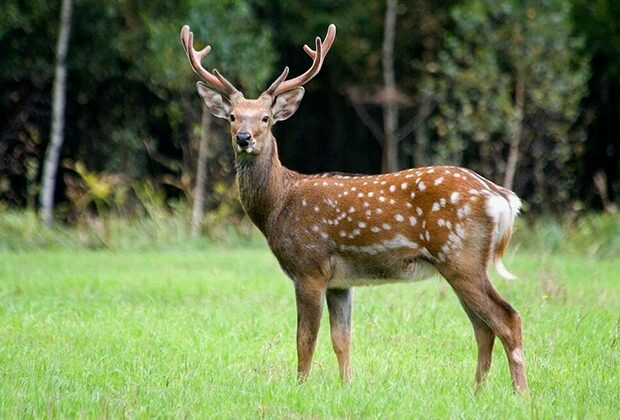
(485, 339)
(479, 296)
(339, 306)
(309, 299)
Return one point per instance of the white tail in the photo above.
(330, 232)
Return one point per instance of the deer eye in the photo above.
(265, 119)
(232, 117)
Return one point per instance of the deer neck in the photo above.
(263, 184)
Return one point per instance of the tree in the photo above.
(510, 84)
(52, 155)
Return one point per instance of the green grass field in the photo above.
(211, 333)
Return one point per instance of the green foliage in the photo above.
(132, 107)
(595, 236)
(599, 22)
(494, 47)
(130, 88)
(210, 333)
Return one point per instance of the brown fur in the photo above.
(333, 231)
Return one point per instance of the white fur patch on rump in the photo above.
(503, 213)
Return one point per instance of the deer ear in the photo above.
(286, 104)
(214, 101)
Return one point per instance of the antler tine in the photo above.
(216, 80)
(317, 55)
(326, 44)
(271, 89)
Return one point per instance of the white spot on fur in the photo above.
(463, 211)
(455, 197)
(392, 188)
(317, 209)
(375, 229)
(435, 206)
(386, 226)
(382, 199)
(419, 211)
(304, 202)
(422, 186)
(413, 221)
(403, 186)
(362, 225)
(399, 218)
(371, 194)
(438, 180)
(351, 209)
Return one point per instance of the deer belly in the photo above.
(352, 272)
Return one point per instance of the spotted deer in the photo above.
(331, 232)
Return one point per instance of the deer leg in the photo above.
(485, 339)
(339, 306)
(309, 308)
(480, 297)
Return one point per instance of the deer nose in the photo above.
(243, 138)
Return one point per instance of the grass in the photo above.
(210, 333)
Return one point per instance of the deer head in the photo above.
(251, 119)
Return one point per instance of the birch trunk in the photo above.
(389, 160)
(52, 154)
(515, 141)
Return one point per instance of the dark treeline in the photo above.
(526, 93)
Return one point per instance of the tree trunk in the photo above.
(389, 161)
(515, 141)
(52, 154)
(201, 174)
(421, 156)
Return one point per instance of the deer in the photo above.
(331, 232)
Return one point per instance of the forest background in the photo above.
(527, 93)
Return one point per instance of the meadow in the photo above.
(208, 330)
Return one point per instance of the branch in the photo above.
(413, 124)
(368, 121)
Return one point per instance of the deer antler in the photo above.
(215, 79)
(318, 55)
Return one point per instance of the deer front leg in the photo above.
(339, 306)
(309, 300)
